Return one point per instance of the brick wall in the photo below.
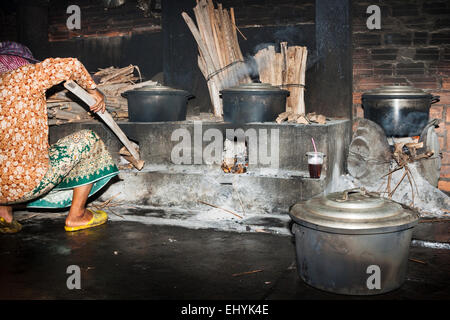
(411, 48)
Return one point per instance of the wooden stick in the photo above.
(106, 117)
(245, 273)
(418, 261)
(233, 20)
(214, 206)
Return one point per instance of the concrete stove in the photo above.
(183, 164)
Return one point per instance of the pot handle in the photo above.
(363, 191)
(435, 99)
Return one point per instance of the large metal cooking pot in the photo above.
(253, 102)
(402, 111)
(157, 103)
(344, 239)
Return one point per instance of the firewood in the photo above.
(118, 73)
(285, 69)
(293, 117)
(209, 68)
(302, 120)
(321, 119)
(282, 117)
(66, 115)
(219, 52)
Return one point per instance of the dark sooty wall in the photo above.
(125, 35)
(270, 22)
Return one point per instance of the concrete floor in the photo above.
(131, 260)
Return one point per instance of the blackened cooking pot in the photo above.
(253, 102)
(157, 103)
(402, 111)
(353, 243)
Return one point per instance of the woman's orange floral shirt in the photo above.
(23, 122)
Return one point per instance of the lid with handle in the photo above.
(396, 92)
(157, 90)
(256, 88)
(354, 211)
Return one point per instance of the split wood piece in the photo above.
(287, 70)
(282, 117)
(123, 72)
(320, 119)
(125, 153)
(302, 81)
(302, 119)
(58, 122)
(106, 117)
(104, 71)
(293, 117)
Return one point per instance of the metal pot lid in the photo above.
(159, 89)
(255, 87)
(353, 213)
(396, 91)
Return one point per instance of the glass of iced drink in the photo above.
(315, 162)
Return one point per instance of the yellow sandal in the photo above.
(98, 218)
(9, 227)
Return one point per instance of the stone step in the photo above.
(259, 191)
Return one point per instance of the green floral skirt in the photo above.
(76, 160)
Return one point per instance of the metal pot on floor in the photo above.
(402, 111)
(344, 238)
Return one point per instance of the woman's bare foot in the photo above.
(6, 213)
(78, 215)
(78, 219)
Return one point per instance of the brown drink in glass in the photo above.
(315, 162)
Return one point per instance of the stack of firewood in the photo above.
(285, 69)
(112, 82)
(301, 118)
(61, 109)
(220, 58)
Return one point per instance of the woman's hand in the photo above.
(100, 105)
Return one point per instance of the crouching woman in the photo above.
(62, 175)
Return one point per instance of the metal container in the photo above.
(157, 103)
(253, 102)
(342, 238)
(402, 111)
